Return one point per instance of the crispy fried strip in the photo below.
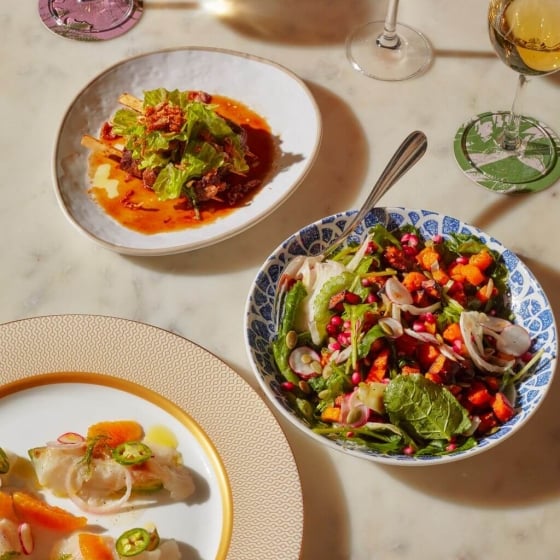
(131, 102)
(98, 146)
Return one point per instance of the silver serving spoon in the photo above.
(407, 154)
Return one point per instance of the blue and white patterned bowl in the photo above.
(529, 303)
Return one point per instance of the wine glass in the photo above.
(90, 20)
(506, 151)
(387, 50)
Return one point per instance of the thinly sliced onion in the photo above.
(513, 340)
(497, 324)
(342, 355)
(392, 327)
(414, 310)
(472, 336)
(74, 484)
(303, 360)
(25, 538)
(396, 292)
(429, 338)
(69, 445)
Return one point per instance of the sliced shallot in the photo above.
(391, 327)
(396, 292)
(74, 485)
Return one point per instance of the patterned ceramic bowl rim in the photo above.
(529, 302)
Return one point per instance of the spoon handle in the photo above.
(407, 154)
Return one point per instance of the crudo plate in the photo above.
(57, 365)
(272, 91)
(529, 302)
(70, 402)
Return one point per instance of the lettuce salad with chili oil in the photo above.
(181, 147)
(402, 344)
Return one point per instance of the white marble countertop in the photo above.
(504, 503)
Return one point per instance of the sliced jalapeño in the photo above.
(133, 542)
(132, 453)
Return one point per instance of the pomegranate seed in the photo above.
(461, 260)
(413, 240)
(288, 386)
(437, 238)
(347, 324)
(410, 251)
(334, 346)
(371, 298)
(405, 237)
(365, 282)
(408, 450)
(332, 330)
(418, 326)
(451, 447)
(336, 320)
(352, 298)
(356, 377)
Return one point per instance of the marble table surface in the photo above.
(504, 503)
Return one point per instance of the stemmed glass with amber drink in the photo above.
(507, 151)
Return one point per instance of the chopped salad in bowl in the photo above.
(423, 340)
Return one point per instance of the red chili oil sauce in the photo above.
(138, 208)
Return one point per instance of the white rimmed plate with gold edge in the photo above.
(60, 373)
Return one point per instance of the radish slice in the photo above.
(305, 362)
(353, 412)
(71, 437)
(513, 340)
(25, 538)
(397, 293)
(414, 310)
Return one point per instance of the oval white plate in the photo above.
(258, 462)
(269, 89)
(51, 404)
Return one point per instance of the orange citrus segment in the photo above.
(7, 507)
(113, 433)
(94, 547)
(36, 512)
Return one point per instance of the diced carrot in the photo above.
(426, 354)
(440, 276)
(430, 327)
(452, 332)
(493, 383)
(34, 511)
(473, 274)
(427, 258)
(487, 422)
(330, 414)
(502, 408)
(413, 281)
(485, 292)
(113, 433)
(94, 547)
(410, 368)
(440, 369)
(456, 272)
(379, 367)
(7, 507)
(478, 395)
(482, 260)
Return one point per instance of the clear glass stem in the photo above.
(389, 38)
(511, 140)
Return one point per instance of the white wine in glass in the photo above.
(90, 20)
(388, 50)
(507, 151)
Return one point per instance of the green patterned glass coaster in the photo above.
(533, 167)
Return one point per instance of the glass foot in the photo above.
(534, 166)
(410, 58)
(90, 20)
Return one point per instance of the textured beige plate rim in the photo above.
(258, 460)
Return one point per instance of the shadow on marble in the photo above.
(295, 22)
(332, 185)
(524, 469)
(325, 530)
